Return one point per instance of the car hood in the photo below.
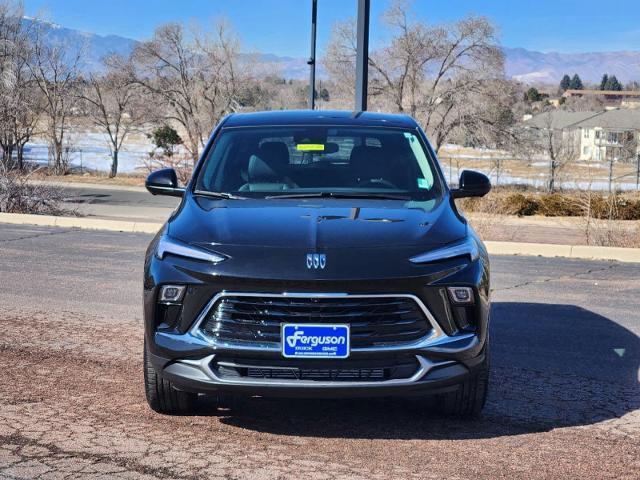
(316, 224)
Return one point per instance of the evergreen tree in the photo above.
(532, 95)
(576, 83)
(166, 138)
(604, 82)
(614, 84)
(565, 83)
(323, 94)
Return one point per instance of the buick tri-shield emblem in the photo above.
(316, 260)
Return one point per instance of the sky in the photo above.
(282, 27)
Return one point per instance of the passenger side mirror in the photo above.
(164, 182)
(472, 184)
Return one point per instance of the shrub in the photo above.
(615, 207)
(515, 201)
(629, 209)
(17, 195)
(519, 204)
(558, 205)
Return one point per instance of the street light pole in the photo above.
(312, 59)
(362, 56)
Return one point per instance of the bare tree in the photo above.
(558, 144)
(449, 77)
(195, 75)
(115, 105)
(626, 151)
(20, 102)
(55, 69)
(585, 103)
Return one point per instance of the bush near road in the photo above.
(18, 195)
(511, 201)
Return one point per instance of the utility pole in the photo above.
(312, 59)
(362, 56)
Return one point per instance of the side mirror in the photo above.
(472, 184)
(164, 182)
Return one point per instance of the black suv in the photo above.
(317, 254)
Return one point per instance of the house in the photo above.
(564, 125)
(596, 136)
(610, 135)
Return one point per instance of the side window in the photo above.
(426, 182)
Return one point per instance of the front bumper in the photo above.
(443, 359)
(431, 377)
(441, 362)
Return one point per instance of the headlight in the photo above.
(181, 249)
(467, 247)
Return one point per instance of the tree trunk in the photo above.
(58, 163)
(114, 164)
(552, 176)
(20, 155)
(9, 156)
(610, 173)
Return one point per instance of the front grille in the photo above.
(335, 371)
(374, 321)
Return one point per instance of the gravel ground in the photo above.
(564, 400)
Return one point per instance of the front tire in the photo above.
(162, 396)
(469, 399)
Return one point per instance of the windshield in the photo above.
(303, 161)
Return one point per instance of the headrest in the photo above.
(274, 153)
(269, 163)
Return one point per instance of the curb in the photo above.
(80, 222)
(588, 252)
(94, 186)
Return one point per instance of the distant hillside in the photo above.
(95, 47)
(525, 65)
(533, 67)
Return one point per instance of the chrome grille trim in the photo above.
(204, 366)
(435, 337)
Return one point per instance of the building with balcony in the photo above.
(598, 136)
(610, 135)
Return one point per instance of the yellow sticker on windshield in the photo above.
(310, 147)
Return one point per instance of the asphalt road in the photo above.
(564, 399)
(118, 203)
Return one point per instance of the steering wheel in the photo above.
(377, 182)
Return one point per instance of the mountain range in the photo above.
(528, 66)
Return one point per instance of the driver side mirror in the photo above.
(164, 182)
(472, 184)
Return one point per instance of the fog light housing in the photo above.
(171, 294)
(461, 295)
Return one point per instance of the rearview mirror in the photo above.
(164, 182)
(472, 184)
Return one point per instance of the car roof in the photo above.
(319, 117)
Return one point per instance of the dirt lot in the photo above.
(564, 400)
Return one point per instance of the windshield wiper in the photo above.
(382, 196)
(229, 196)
